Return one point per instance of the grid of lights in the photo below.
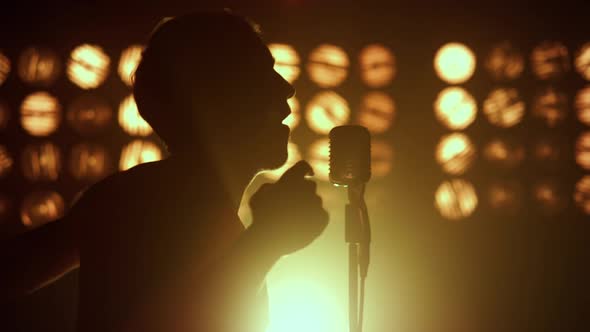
(504, 108)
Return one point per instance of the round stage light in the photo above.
(504, 107)
(325, 111)
(139, 152)
(128, 62)
(550, 106)
(503, 153)
(293, 156)
(328, 66)
(582, 194)
(40, 114)
(377, 65)
(5, 208)
(88, 66)
(455, 153)
(287, 61)
(583, 150)
(41, 207)
(6, 161)
(292, 120)
(89, 114)
(376, 112)
(505, 196)
(319, 158)
(455, 108)
(548, 195)
(454, 63)
(546, 150)
(582, 62)
(4, 68)
(550, 60)
(582, 104)
(41, 162)
(504, 63)
(39, 66)
(456, 199)
(4, 115)
(381, 158)
(130, 119)
(89, 162)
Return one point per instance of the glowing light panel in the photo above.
(582, 62)
(582, 194)
(504, 107)
(377, 112)
(550, 60)
(582, 104)
(89, 114)
(41, 207)
(39, 66)
(455, 108)
(89, 162)
(456, 199)
(377, 65)
(130, 119)
(454, 63)
(504, 63)
(40, 114)
(138, 152)
(505, 197)
(287, 61)
(328, 65)
(583, 150)
(325, 111)
(455, 153)
(128, 63)
(88, 66)
(503, 153)
(550, 106)
(41, 162)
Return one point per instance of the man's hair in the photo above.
(187, 61)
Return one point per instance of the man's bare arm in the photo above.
(34, 259)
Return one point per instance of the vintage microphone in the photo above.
(350, 166)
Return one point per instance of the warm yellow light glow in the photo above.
(41, 207)
(547, 194)
(41, 162)
(546, 150)
(455, 153)
(292, 120)
(88, 66)
(550, 60)
(138, 152)
(503, 153)
(40, 114)
(504, 107)
(582, 62)
(456, 199)
(455, 108)
(89, 162)
(328, 66)
(377, 112)
(4, 115)
(293, 156)
(319, 158)
(39, 66)
(505, 197)
(583, 150)
(325, 111)
(128, 62)
(454, 63)
(582, 104)
(4, 68)
(89, 114)
(504, 63)
(377, 65)
(130, 119)
(6, 161)
(381, 158)
(550, 106)
(582, 194)
(287, 61)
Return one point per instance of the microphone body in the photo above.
(350, 155)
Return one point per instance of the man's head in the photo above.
(206, 84)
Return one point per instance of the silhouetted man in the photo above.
(160, 246)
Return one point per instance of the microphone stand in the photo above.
(358, 237)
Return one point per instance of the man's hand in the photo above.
(289, 213)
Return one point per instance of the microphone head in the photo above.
(350, 155)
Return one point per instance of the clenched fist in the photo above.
(289, 213)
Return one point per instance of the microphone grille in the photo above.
(350, 155)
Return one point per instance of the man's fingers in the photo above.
(297, 171)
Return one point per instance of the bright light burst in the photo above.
(88, 66)
(456, 199)
(455, 153)
(550, 60)
(504, 107)
(39, 66)
(582, 61)
(40, 114)
(550, 106)
(128, 62)
(504, 62)
(377, 65)
(138, 152)
(455, 108)
(328, 65)
(325, 111)
(454, 63)
(130, 119)
(287, 61)
(376, 112)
